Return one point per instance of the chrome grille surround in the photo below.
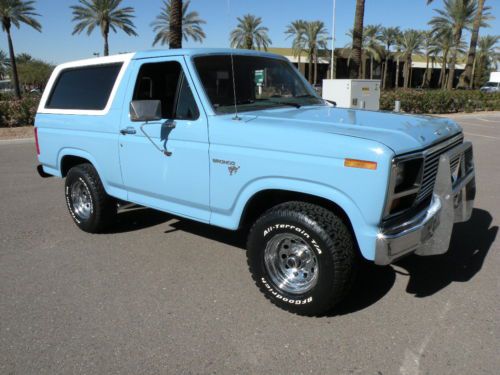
(431, 162)
(430, 158)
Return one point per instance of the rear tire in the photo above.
(90, 207)
(302, 257)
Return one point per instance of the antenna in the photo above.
(236, 117)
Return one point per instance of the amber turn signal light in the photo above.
(353, 163)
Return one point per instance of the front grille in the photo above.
(431, 163)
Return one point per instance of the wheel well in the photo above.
(264, 200)
(69, 162)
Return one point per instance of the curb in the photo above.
(16, 141)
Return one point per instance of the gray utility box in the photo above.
(353, 93)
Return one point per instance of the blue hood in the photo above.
(401, 133)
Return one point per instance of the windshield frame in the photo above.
(276, 105)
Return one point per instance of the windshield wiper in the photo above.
(290, 104)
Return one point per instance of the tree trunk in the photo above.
(425, 81)
(472, 79)
(15, 77)
(316, 67)
(396, 81)
(371, 67)
(248, 42)
(410, 75)
(406, 74)
(467, 76)
(479, 71)
(386, 70)
(357, 39)
(310, 75)
(175, 37)
(442, 76)
(454, 52)
(363, 66)
(106, 45)
(105, 35)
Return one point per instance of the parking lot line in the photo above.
(481, 135)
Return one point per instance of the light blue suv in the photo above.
(239, 140)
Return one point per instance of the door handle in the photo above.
(170, 124)
(128, 130)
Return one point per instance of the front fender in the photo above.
(365, 233)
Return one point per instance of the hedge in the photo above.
(440, 101)
(22, 112)
(18, 112)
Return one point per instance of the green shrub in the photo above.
(440, 101)
(18, 112)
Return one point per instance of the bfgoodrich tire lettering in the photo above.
(314, 231)
(90, 207)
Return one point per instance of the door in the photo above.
(165, 163)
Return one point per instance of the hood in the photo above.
(402, 133)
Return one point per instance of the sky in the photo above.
(56, 44)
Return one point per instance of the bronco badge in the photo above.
(231, 165)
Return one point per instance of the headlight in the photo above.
(405, 184)
(408, 174)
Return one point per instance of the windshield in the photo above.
(491, 84)
(261, 83)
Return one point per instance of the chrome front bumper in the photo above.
(429, 232)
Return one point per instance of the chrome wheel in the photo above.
(291, 263)
(81, 201)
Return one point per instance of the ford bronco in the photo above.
(240, 140)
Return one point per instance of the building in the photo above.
(342, 57)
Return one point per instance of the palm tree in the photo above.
(357, 39)
(4, 65)
(191, 22)
(466, 77)
(411, 42)
(458, 14)
(398, 54)
(316, 40)
(249, 34)
(444, 42)
(297, 31)
(175, 24)
(15, 12)
(488, 56)
(372, 46)
(389, 37)
(105, 14)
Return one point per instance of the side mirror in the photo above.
(145, 110)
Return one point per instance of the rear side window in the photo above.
(86, 88)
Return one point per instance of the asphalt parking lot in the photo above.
(159, 295)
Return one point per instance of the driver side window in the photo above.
(167, 83)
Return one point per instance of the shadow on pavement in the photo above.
(371, 285)
(132, 218)
(137, 218)
(469, 246)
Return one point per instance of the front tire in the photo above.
(90, 207)
(302, 257)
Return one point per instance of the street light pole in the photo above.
(332, 64)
